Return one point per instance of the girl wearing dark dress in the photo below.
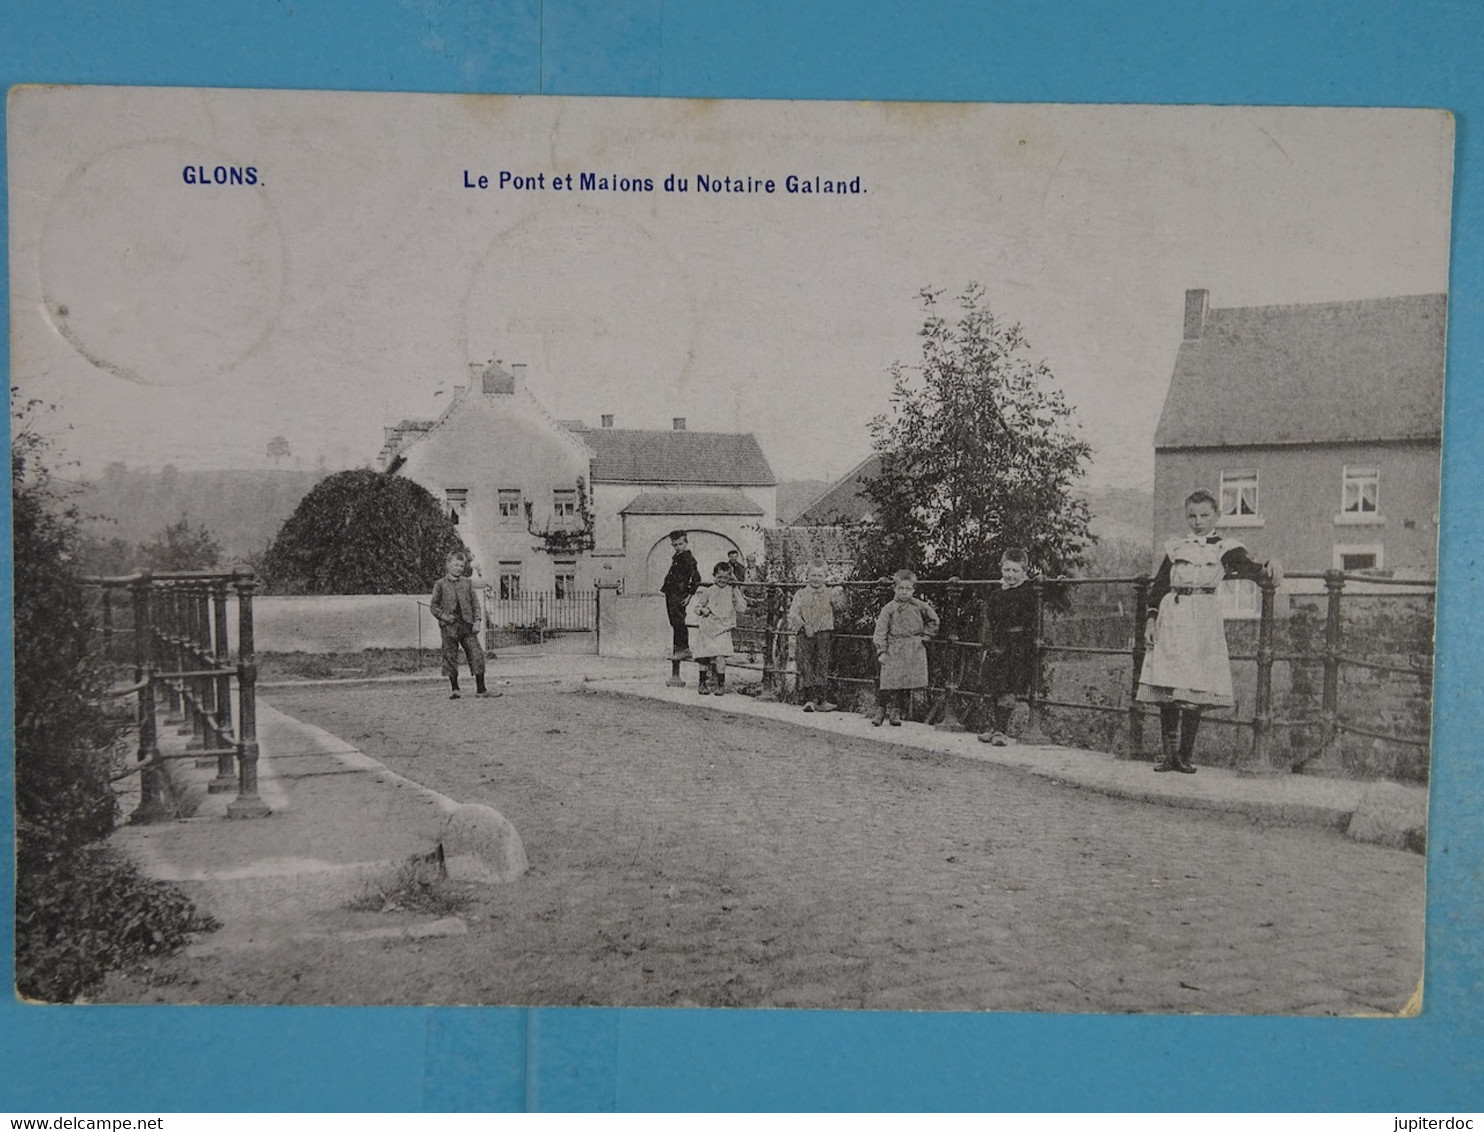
(1187, 668)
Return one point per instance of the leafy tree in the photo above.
(178, 547)
(278, 448)
(62, 736)
(361, 532)
(80, 908)
(978, 453)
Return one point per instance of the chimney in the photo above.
(678, 424)
(1196, 302)
(607, 420)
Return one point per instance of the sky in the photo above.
(364, 268)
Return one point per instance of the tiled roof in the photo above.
(843, 503)
(1311, 373)
(631, 455)
(691, 503)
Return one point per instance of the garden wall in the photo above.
(324, 623)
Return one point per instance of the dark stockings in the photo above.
(1178, 727)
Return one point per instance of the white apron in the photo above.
(1189, 663)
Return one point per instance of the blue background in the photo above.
(1355, 52)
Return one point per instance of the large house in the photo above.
(1318, 426)
(556, 506)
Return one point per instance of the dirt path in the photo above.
(681, 857)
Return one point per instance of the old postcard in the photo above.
(725, 554)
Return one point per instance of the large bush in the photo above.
(361, 532)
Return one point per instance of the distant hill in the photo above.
(242, 509)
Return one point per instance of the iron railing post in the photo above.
(197, 657)
(1034, 729)
(1262, 715)
(226, 771)
(772, 678)
(1334, 587)
(1141, 625)
(154, 787)
(247, 804)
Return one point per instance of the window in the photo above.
(1239, 504)
(456, 503)
(566, 579)
(1360, 493)
(510, 506)
(564, 504)
(1357, 557)
(509, 581)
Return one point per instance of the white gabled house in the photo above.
(555, 506)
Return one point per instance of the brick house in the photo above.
(1317, 425)
(556, 506)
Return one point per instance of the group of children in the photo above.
(1186, 667)
(902, 628)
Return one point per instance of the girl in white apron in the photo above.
(1187, 668)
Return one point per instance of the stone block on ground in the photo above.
(480, 845)
(1393, 815)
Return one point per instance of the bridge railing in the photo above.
(175, 631)
(1100, 622)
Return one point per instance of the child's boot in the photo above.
(453, 687)
(703, 682)
(721, 684)
(880, 717)
(1190, 723)
(1169, 738)
(675, 680)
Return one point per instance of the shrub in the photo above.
(87, 911)
(361, 532)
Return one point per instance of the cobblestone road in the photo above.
(686, 857)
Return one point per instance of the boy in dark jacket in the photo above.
(683, 580)
(1008, 631)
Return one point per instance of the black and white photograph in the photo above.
(575, 551)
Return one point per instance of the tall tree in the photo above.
(361, 532)
(979, 453)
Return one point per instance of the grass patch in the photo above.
(339, 665)
(419, 885)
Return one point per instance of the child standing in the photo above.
(1008, 631)
(460, 615)
(1187, 668)
(679, 586)
(811, 615)
(901, 626)
(716, 608)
